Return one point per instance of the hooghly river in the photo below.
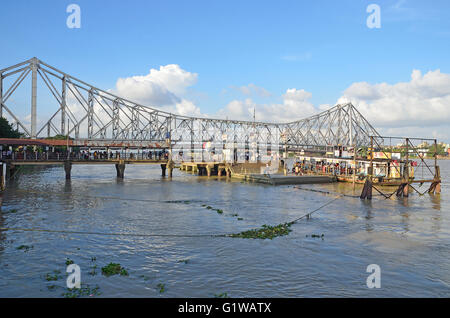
(408, 238)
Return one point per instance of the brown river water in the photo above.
(408, 238)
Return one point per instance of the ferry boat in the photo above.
(388, 168)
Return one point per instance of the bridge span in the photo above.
(90, 116)
(87, 117)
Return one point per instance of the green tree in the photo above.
(7, 130)
(57, 137)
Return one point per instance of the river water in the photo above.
(408, 238)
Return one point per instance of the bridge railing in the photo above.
(81, 156)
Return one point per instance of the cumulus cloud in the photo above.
(295, 105)
(187, 108)
(423, 101)
(159, 87)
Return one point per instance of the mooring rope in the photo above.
(104, 197)
(108, 234)
(328, 192)
(307, 215)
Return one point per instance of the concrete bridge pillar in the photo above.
(163, 169)
(120, 168)
(2, 177)
(228, 170)
(68, 169)
(10, 170)
(438, 188)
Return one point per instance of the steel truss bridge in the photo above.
(95, 117)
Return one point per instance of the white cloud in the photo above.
(237, 109)
(423, 101)
(159, 87)
(187, 108)
(296, 105)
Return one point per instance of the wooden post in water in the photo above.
(170, 166)
(369, 193)
(68, 169)
(355, 169)
(367, 189)
(120, 169)
(2, 176)
(406, 172)
(437, 171)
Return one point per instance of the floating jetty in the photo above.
(251, 172)
(283, 180)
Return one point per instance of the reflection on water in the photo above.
(408, 238)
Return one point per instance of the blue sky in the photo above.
(322, 47)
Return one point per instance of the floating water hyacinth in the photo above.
(114, 269)
(265, 232)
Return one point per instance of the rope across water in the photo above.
(307, 215)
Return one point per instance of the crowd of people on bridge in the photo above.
(34, 153)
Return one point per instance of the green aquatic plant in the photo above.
(85, 290)
(114, 269)
(240, 219)
(161, 288)
(219, 211)
(50, 277)
(93, 271)
(185, 261)
(222, 295)
(316, 236)
(178, 201)
(69, 261)
(25, 247)
(265, 232)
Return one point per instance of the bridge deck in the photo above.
(81, 162)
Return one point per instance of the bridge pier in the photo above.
(163, 169)
(2, 177)
(68, 169)
(120, 169)
(10, 170)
